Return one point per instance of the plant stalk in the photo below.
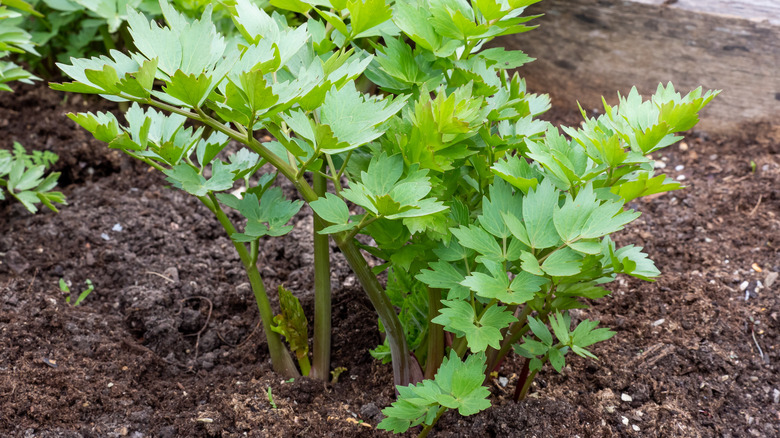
(322, 292)
(516, 331)
(427, 429)
(521, 380)
(435, 334)
(526, 386)
(384, 308)
(280, 356)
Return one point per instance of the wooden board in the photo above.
(589, 48)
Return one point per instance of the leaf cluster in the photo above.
(15, 40)
(22, 177)
(457, 385)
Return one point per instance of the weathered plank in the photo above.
(589, 48)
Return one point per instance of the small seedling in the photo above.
(22, 178)
(271, 398)
(83, 295)
(334, 375)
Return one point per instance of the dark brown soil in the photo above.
(167, 345)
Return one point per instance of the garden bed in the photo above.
(168, 344)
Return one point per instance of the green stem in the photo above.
(527, 385)
(322, 291)
(108, 40)
(435, 334)
(303, 362)
(280, 357)
(459, 345)
(427, 429)
(521, 379)
(492, 353)
(516, 331)
(362, 224)
(384, 308)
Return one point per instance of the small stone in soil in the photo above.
(659, 322)
(626, 397)
(503, 381)
(371, 412)
(770, 279)
(776, 396)
(624, 420)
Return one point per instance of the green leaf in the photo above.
(487, 286)
(560, 324)
(538, 208)
(478, 239)
(492, 9)
(458, 317)
(334, 20)
(644, 184)
(190, 89)
(266, 216)
(587, 334)
(383, 173)
(456, 385)
(530, 264)
(530, 349)
(297, 6)
(331, 208)
(582, 289)
(463, 381)
(540, 330)
(27, 179)
(292, 323)
(608, 218)
(570, 219)
(22, 6)
(521, 289)
(501, 201)
(413, 18)
(505, 59)
(106, 79)
(354, 118)
(103, 126)
(443, 275)
(563, 262)
(367, 14)
(185, 177)
(636, 263)
(516, 171)
(556, 359)
(194, 47)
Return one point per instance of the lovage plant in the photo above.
(490, 225)
(22, 177)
